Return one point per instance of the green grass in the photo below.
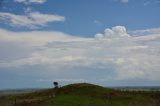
(82, 94)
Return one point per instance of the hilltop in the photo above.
(82, 94)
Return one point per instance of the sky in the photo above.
(105, 42)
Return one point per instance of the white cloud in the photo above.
(97, 22)
(30, 20)
(128, 57)
(145, 32)
(35, 38)
(99, 36)
(115, 32)
(124, 1)
(31, 1)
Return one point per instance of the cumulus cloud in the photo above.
(99, 36)
(30, 20)
(133, 57)
(114, 32)
(31, 1)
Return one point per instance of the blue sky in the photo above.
(92, 16)
(108, 42)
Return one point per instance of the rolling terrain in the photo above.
(82, 94)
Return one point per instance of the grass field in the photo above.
(82, 94)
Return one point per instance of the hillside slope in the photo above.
(82, 94)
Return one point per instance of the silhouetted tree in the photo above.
(55, 84)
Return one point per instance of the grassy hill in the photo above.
(82, 94)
